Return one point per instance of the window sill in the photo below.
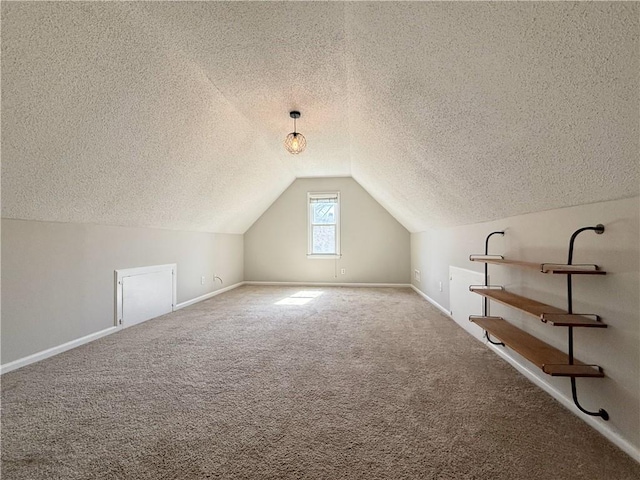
(317, 256)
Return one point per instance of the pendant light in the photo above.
(295, 142)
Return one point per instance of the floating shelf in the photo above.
(575, 370)
(553, 268)
(546, 313)
(570, 320)
(551, 360)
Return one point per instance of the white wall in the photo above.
(58, 280)
(375, 247)
(544, 237)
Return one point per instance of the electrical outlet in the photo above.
(202, 279)
(343, 271)
(440, 286)
(416, 275)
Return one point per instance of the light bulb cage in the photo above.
(295, 142)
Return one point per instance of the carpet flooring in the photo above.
(356, 383)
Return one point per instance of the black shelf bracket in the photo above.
(599, 229)
(485, 302)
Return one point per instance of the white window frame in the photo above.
(310, 254)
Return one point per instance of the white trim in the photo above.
(602, 427)
(323, 256)
(432, 301)
(329, 284)
(50, 352)
(207, 296)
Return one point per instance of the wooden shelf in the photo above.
(553, 268)
(568, 320)
(546, 313)
(573, 370)
(551, 360)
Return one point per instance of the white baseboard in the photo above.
(599, 425)
(50, 352)
(432, 301)
(567, 402)
(207, 296)
(329, 284)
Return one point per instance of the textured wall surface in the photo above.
(172, 114)
(374, 246)
(544, 237)
(57, 279)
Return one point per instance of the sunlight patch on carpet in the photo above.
(301, 298)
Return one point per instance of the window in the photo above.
(324, 225)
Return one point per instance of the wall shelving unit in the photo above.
(549, 359)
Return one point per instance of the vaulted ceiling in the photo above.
(172, 114)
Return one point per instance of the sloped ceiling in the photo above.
(172, 114)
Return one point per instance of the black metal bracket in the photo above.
(600, 413)
(485, 303)
(599, 229)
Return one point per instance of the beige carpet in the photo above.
(356, 384)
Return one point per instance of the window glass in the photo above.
(324, 225)
(324, 239)
(324, 213)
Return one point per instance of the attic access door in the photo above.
(144, 293)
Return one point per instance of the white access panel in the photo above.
(463, 302)
(144, 293)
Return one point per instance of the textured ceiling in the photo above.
(172, 114)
